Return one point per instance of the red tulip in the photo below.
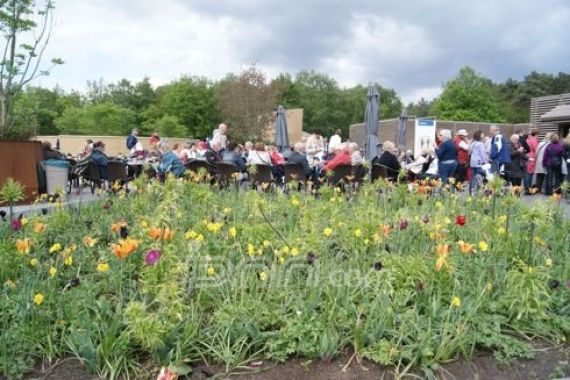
(460, 220)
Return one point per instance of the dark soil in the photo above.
(553, 363)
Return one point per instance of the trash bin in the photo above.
(57, 172)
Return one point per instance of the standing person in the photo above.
(477, 160)
(552, 161)
(540, 169)
(500, 150)
(132, 139)
(517, 167)
(447, 156)
(315, 147)
(462, 148)
(532, 145)
(335, 140)
(567, 155)
(221, 135)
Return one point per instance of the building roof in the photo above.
(558, 113)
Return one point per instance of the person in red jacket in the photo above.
(342, 156)
(462, 148)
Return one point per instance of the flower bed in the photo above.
(179, 273)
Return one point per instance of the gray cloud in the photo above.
(412, 46)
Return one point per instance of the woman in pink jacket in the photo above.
(532, 142)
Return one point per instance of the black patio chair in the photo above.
(341, 175)
(117, 172)
(260, 177)
(294, 172)
(92, 175)
(226, 174)
(378, 171)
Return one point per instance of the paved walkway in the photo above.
(71, 200)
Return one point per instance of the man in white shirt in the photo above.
(220, 135)
(335, 140)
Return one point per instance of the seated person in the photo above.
(190, 152)
(341, 157)
(99, 157)
(230, 155)
(298, 157)
(87, 149)
(417, 168)
(389, 160)
(49, 153)
(215, 154)
(171, 162)
(259, 156)
(276, 157)
(287, 152)
(355, 155)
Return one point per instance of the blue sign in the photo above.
(426, 122)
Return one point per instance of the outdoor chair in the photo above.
(117, 172)
(378, 171)
(358, 172)
(342, 174)
(226, 173)
(91, 174)
(260, 177)
(199, 166)
(73, 176)
(294, 172)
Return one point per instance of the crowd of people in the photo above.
(522, 160)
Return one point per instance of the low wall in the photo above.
(114, 145)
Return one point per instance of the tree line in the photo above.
(191, 106)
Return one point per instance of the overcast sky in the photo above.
(411, 46)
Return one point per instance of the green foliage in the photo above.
(192, 101)
(11, 192)
(228, 289)
(97, 119)
(467, 97)
(26, 27)
(166, 126)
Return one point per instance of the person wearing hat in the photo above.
(462, 147)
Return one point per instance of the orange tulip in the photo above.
(385, 230)
(23, 245)
(167, 234)
(39, 227)
(125, 247)
(159, 233)
(442, 251)
(155, 233)
(89, 241)
(465, 247)
(116, 227)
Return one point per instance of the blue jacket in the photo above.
(102, 162)
(171, 163)
(131, 141)
(446, 151)
(500, 155)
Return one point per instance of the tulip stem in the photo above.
(272, 227)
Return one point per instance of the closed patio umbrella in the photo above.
(281, 133)
(371, 123)
(403, 130)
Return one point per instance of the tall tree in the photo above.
(468, 97)
(21, 61)
(191, 100)
(246, 102)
